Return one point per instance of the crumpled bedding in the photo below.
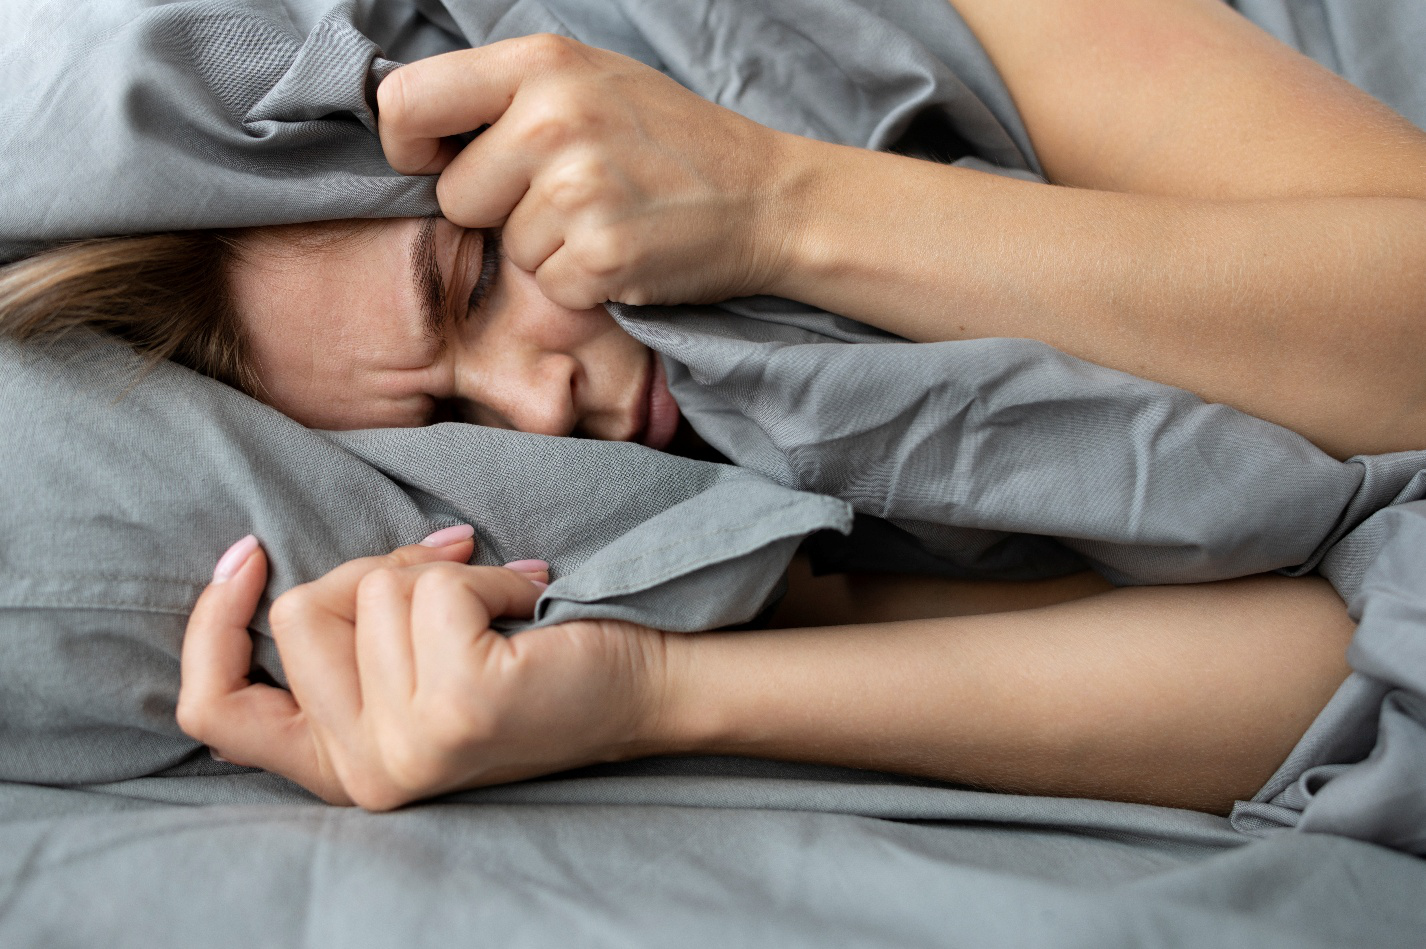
(988, 458)
(115, 872)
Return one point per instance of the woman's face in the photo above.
(416, 320)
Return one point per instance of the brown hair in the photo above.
(167, 295)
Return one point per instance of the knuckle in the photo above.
(557, 118)
(551, 50)
(353, 780)
(372, 793)
(379, 583)
(438, 578)
(289, 609)
(547, 127)
(577, 184)
(600, 253)
(394, 97)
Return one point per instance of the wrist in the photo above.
(681, 718)
(791, 202)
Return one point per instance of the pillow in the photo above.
(121, 495)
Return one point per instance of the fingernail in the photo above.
(527, 566)
(541, 584)
(232, 561)
(217, 757)
(449, 535)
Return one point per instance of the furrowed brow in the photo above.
(426, 274)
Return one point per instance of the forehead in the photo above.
(288, 275)
(326, 311)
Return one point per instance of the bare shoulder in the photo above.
(1188, 98)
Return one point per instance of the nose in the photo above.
(527, 390)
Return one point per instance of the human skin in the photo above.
(615, 184)
(1226, 216)
(400, 688)
(380, 328)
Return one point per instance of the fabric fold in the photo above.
(988, 457)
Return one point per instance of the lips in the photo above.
(660, 410)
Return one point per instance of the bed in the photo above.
(115, 828)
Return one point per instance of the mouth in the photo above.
(660, 411)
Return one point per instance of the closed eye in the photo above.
(456, 409)
(490, 256)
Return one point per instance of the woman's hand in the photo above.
(400, 689)
(612, 182)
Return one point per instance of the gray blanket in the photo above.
(208, 114)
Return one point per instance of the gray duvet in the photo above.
(987, 458)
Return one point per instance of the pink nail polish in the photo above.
(527, 566)
(449, 535)
(232, 561)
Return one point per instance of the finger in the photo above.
(319, 657)
(386, 667)
(314, 628)
(248, 724)
(537, 571)
(217, 648)
(263, 727)
(335, 592)
(423, 103)
(533, 231)
(481, 186)
(566, 281)
(451, 613)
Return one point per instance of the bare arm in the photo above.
(1237, 221)
(1186, 696)
(1180, 696)
(1241, 223)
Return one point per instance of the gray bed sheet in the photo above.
(627, 868)
(205, 114)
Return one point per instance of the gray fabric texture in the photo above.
(1001, 458)
(124, 494)
(622, 876)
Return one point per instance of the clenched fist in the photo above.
(611, 181)
(400, 688)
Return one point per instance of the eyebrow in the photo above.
(426, 275)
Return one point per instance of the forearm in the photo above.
(1183, 696)
(1304, 311)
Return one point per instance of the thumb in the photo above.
(216, 649)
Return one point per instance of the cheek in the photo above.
(394, 354)
(338, 389)
(610, 351)
(517, 314)
(521, 306)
